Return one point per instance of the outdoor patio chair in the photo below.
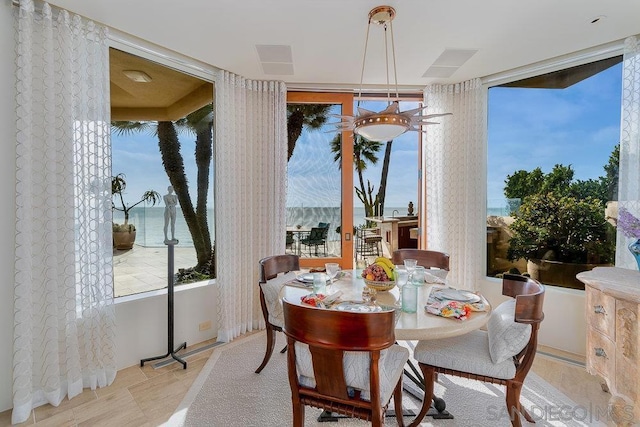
(322, 341)
(271, 283)
(316, 237)
(368, 242)
(290, 241)
(503, 354)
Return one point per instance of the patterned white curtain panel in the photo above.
(250, 175)
(629, 172)
(454, 164)
(64, 314)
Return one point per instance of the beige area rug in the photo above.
(227, 393)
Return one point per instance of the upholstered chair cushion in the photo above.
(356, 369)
(506, 337)
(466, 353)
(273, 291)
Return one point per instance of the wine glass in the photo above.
(401, 280)
(332, 269)
(410, 264)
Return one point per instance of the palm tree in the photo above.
(365, 152)
(199, 122)
(312, 116)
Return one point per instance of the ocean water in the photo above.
(149, 221)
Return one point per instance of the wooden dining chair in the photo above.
(425, 258)
(343, 362)
(270, 267)
(503, 354)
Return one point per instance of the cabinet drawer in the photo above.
(601, 310)
(600, 354)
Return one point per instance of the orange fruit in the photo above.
(369, 276)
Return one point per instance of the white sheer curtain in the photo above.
(629, 172)
(64, 322)
(454, 168)
(251, 161)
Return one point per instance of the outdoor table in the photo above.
(297, 234)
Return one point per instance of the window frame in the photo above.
(143, 49)
(583, 57)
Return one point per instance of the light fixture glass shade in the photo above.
(138, 76)
(381, 127)
(380, 132)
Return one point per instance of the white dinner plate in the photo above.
(357, 306)
(306, 277)
(456, 295)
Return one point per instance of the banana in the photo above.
(386, 261)
(387, 270)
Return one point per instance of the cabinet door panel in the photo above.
(627, 349)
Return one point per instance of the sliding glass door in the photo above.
(319, 179)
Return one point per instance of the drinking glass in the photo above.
(332, 269)
(410, 265)
(418, 276)
(401, 279)
(409, 298)
(319, 283)
(402, 276)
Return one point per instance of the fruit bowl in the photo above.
(380, 286)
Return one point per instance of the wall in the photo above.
(142, 322)
(564, 324)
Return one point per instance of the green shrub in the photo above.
(561, 228)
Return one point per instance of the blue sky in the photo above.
(138, 157)
(577, 126)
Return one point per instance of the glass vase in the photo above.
(634, 248)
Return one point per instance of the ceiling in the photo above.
(326, 38)
(168, 95)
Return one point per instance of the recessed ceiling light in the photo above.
(138, 76)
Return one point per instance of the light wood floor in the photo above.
(147, 396)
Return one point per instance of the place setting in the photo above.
(454, 303)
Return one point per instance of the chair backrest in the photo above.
(271, 266)
(317, 234)
(425, 258)
(289, 239)
(529, 295)
(329, 334)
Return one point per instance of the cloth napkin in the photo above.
(320, 300)
(453, 309)
(430, 277)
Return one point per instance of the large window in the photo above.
(552, 172)
(162, 149)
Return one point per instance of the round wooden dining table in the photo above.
(417, 326)
(420, 325)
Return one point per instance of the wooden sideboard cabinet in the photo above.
(613, 339)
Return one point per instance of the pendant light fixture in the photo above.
(390, 122)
